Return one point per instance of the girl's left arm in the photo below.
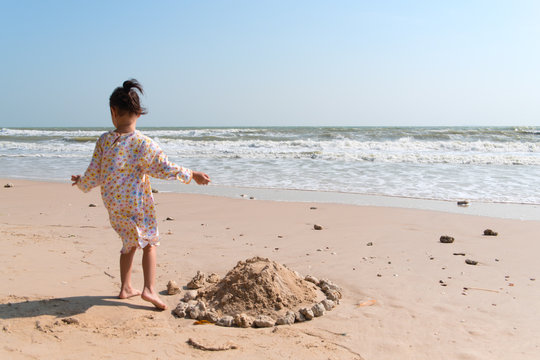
(156, 164)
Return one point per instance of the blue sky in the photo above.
(262, 63)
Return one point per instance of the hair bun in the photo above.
(127, 85)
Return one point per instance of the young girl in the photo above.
(122, 160)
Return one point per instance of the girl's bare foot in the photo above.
(153, 298)
(128, 293)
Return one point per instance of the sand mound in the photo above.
(257, 292)
(259, 286)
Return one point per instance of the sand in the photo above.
(403, 295)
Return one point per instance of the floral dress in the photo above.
(121, 164)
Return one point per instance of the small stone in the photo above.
(71, 321)
(197, 281)
(180, 309)
(318, 310)
(328, 304)
(226, 321)
(92, 205)
(197, 311)
(379, 275)
(317, 227)
(471, 262)
(211, 316)
(169, 218)
(313, 208)
(252, 198)
(243, 321)
(190, 295)
(369, 244)
(489, 232)
(9, 185)
(155, 191)
(263, 321)
(172, 288)
(308, 313)
(326, 285)
(445, 239)
(463, 203)
(532, 279)
(312, 279)
(460, 254)
(298, 317)
(287, 319)
(213, 278)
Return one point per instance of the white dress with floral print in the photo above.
(121, 164)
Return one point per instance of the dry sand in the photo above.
(60, 260)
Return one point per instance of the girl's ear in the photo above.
(113, 112)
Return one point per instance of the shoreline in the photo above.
(517, 211)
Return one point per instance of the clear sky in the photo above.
(262, 63)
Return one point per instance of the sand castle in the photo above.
(258, 293)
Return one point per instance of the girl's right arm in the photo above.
(92, 175)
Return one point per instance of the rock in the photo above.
(312, 279)
(263, 321)
(471, 262)
(172, 288)
(213, 278)
(252, 198)
(328, 304)
(308, 313)
(287, 319)
(242, 320)
(313, 208)
(369, 244)
(9, 185)
(333, 295)
(169, 218)
(92, 205)
(326, 285)
(318, 310)
(197, 281)
(180, 309)
(190, 295)
(489, 232)
(211, 316)
(155, 191)
(71, 321)
(317, 227)
(445, 239)
(197, 311)
(463, 203)
(298, 317)
(226, 321)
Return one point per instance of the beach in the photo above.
(406, 295)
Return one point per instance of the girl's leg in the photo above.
(126, 261)
(149, 270)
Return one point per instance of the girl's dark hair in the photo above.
(125, 98)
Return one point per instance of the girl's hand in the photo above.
(201, 178)
(75, 179)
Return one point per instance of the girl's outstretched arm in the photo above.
(92, 175)
(156, 164)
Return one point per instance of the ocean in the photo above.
(489, 164)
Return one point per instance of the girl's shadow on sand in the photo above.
(62, 307)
